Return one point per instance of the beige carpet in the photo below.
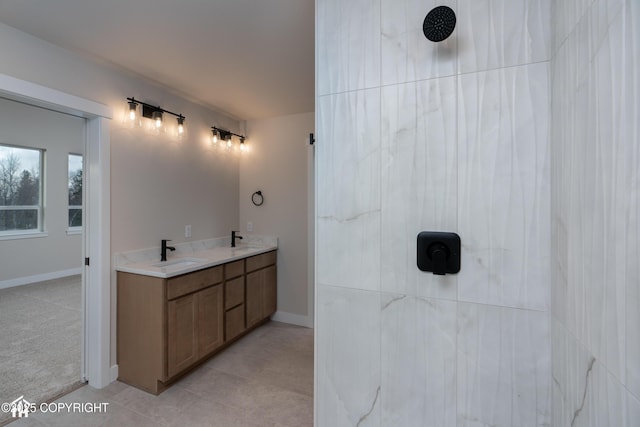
(40, 340)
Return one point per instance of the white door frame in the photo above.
(97, 248)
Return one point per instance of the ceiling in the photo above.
(250, 58)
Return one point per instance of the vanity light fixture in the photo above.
(155, 113)
(225, 135)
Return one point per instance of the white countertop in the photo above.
(192, 256)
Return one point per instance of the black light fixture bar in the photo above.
(148, 109)
(224, 133)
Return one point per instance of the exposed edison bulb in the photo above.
(181, 130)
(156, 125)
(229, 143)
(242, 147)
(214, 137)
(131, 115)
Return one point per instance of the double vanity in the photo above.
(175, 314)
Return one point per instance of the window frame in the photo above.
(40, 231)
(77, 229)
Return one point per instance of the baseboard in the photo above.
(39, 278)
(293, 319)
(114, 373)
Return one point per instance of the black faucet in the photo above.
(163, 251)
(234, 236)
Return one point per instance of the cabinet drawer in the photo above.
(233, 292)
(260, 261)
(192, 282)
(234, 269)
(234, 322)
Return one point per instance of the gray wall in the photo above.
(596, 213)
(417, 136)
(276, 163)
(158, 184)
(59, 134)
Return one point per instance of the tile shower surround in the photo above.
(483, 332)
(446, 153)
(456, 136)
(595, 215)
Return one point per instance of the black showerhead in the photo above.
(439, 23)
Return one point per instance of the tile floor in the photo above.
(264, 379)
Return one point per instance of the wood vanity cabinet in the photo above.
(165, 327)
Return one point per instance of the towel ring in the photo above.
(257, 198)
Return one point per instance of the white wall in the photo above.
(59, 134)
(158, 185)
(417, 136)
(277, 164)
(596, 213)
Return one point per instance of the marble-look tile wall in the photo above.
(413, 136)
(596, 213)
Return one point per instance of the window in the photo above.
(20, 190)
(75, 191)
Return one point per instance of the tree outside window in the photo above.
(20, 189)
(75, 191)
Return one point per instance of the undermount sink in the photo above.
(179, 263)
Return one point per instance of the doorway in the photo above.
(97, 368)
(41, 251)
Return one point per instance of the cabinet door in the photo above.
(261, 294)
(269, 291)
(210, 320)
(182, 348)
(253, 297)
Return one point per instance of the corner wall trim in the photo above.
(114, 373)
(293, 319)
(39, 278)
(42, 96)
